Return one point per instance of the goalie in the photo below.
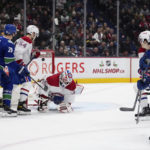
(60, 89)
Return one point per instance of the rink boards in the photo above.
(90, 70)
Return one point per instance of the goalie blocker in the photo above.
(61, 90)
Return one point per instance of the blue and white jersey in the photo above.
(7, 58)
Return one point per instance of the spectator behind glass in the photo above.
(112, 48)
(95, 52)
(60, 52)
(98, 35)
(102, 47)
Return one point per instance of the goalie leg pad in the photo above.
(65, 108)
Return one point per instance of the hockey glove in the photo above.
(6, 70)
(35, 55)
(42, 106)
(5, 74)
(23, 71)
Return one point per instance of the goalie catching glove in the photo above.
(42, 103)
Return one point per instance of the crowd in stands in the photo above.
(101, 37)
(134, 18)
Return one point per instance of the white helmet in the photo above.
(33, 29)
(65, 78)
(145, 35)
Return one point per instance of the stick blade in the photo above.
(126, 109)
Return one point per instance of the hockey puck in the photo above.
(43, 59)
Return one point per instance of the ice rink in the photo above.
(95, 124)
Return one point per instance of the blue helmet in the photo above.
(9, 29)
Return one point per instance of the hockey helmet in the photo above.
(65, 78)
(33, 29)
(145, 35)
(9, 29)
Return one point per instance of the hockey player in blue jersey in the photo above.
(144, 64)
(9, 69)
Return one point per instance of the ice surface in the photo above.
(95, 124)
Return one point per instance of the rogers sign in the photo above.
(45, 68)
(74, 67)
(82, 68)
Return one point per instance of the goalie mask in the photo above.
(65, 78)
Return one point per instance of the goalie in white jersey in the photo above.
(22, 54)
(60, 89)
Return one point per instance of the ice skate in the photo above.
(8, 112)
(145, 112)
(22, 110)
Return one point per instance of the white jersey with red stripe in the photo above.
(23, 50)
(54, 88)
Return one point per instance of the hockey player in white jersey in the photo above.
(23, 49)
(144, 39)
(61, 90)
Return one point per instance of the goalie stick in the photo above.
(134, 105)
(45, 88)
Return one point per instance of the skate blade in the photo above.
(9, 115)
(23, 113)
(145, 118)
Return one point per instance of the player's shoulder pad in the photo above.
(3, 39)
(27, 39)
(6, 41)
(9, 41)
(71, 86)
(53, 80)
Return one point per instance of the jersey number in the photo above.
(10, 49)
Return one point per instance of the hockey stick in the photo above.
(45, 88)
(138, 111)
(134, 105)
